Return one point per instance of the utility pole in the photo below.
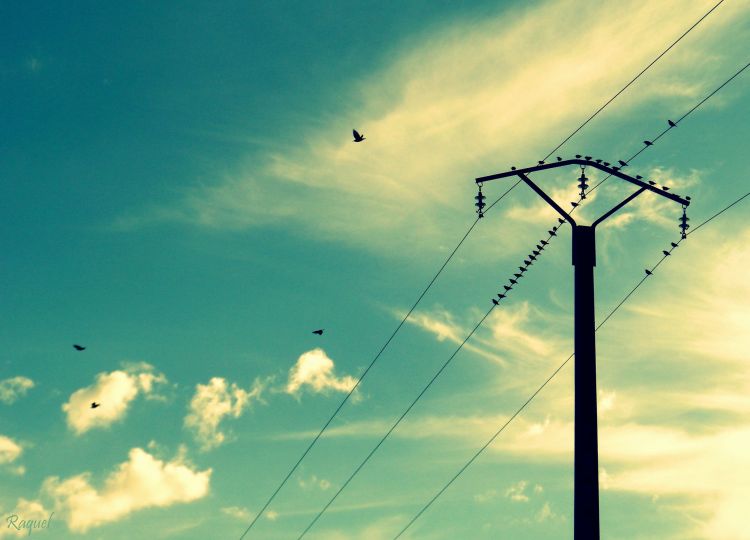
(586, 452)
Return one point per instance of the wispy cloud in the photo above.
(14, 388)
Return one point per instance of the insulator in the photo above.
(683, 224)
(582, 185)
(480, 202)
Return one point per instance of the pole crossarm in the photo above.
(617, 207)
(587, 163)
(547, 198)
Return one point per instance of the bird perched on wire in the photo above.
(666, 253)
(671, 124)
(79, 347)
(94, 404)
(495, 302)
(647, 143)
(507, 288)
(648, 272)
(500, 296)
(319, 332)
(357, 136)
(622, 163)
(673, 244)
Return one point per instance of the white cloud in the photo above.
(516, 492)
(237, 512)
(465, 95)
(9, 450)
(14, 388)
(315, 370)
(314, 482)
(142, 481)
(115, 391)
(215, 401)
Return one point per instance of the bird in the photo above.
(598, 160)
(587, 158)
(507, 288)
(578, 156)
(652, 182)
(535, 252)
(541, 162)
(532, 258)
(540, 248)
(648, 272)
(94, 404)
(671, 124)
(527, 262)
(574, 204)
(616, 168)
(522, 269)
(687, 198)
(551, 233)
(665, 188)
(512, 168)
(79, 347)
(544, 243)
(666, 253)
(518, 276)
(513, 282)
(673, 244)
(357, 136)
(495, 302)
(606, 163)
(559, 158)
(622, 163)
(561, 220)
(647, 143)
(500, 296)
(319, 332)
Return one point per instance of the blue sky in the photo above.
(182, 196)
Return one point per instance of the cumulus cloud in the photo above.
(315, 371)
(9, 450)
(29, 511)
(215, 401)
(116, 391)
(14, 388)
(142, 481)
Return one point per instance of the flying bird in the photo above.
(648, 272)
(647, 143)
(94, 404)
(79, 347)
(319, 332)
(671, 124)
(357, 136)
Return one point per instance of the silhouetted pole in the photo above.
(586, 451)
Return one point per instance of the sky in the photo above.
(181, 195)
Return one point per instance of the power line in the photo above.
(554, 373)
(437, 274)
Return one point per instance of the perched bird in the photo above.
(652, 182)
(648, 272)
(535, 252)
(495, 302)
(665, 188)
(638, 177)
(666, 253)
(94, 404)
(512, 168)
(574, 204)
(578, 156)
(622, 163)
(507, 288)
(527, 262)
(616, 168)
(532, 258)
(500, 296)
(647, 143)
(522, 269)
(598, 160)
(540, 248)
(561, 220)
(559, 158)
(513, 282)
(606, 163)
(79, 347)
(587, 158)
(552, 232)
(518, 276)
(671, 124)
(544, 243)
(687, 198)
(673, 244)
(541, 163)
(357, 136)
(319, 332)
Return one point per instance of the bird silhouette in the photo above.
(512, 168)
(79, 347)
(606, 163)
(648, 272)
(544, 243)
(666, 188)
(647, 143)
(574, 204)
(94, 404)
(598, 160)
(622, 163)
(495, 302)
(527, 262)
(551, 232)
(532, 257)
(357, 136)
(522, 269)
(561, 220)
(518, 276)
(535, 252)
(638, 177)
(578, 156)
(500, 296)
(587, 158)
(513, 282)
(507, 288)
(671, 124)
(673, 244)
(666, 253)
(652, 182)
(319, 332)
(541, 163)
(559, 158)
